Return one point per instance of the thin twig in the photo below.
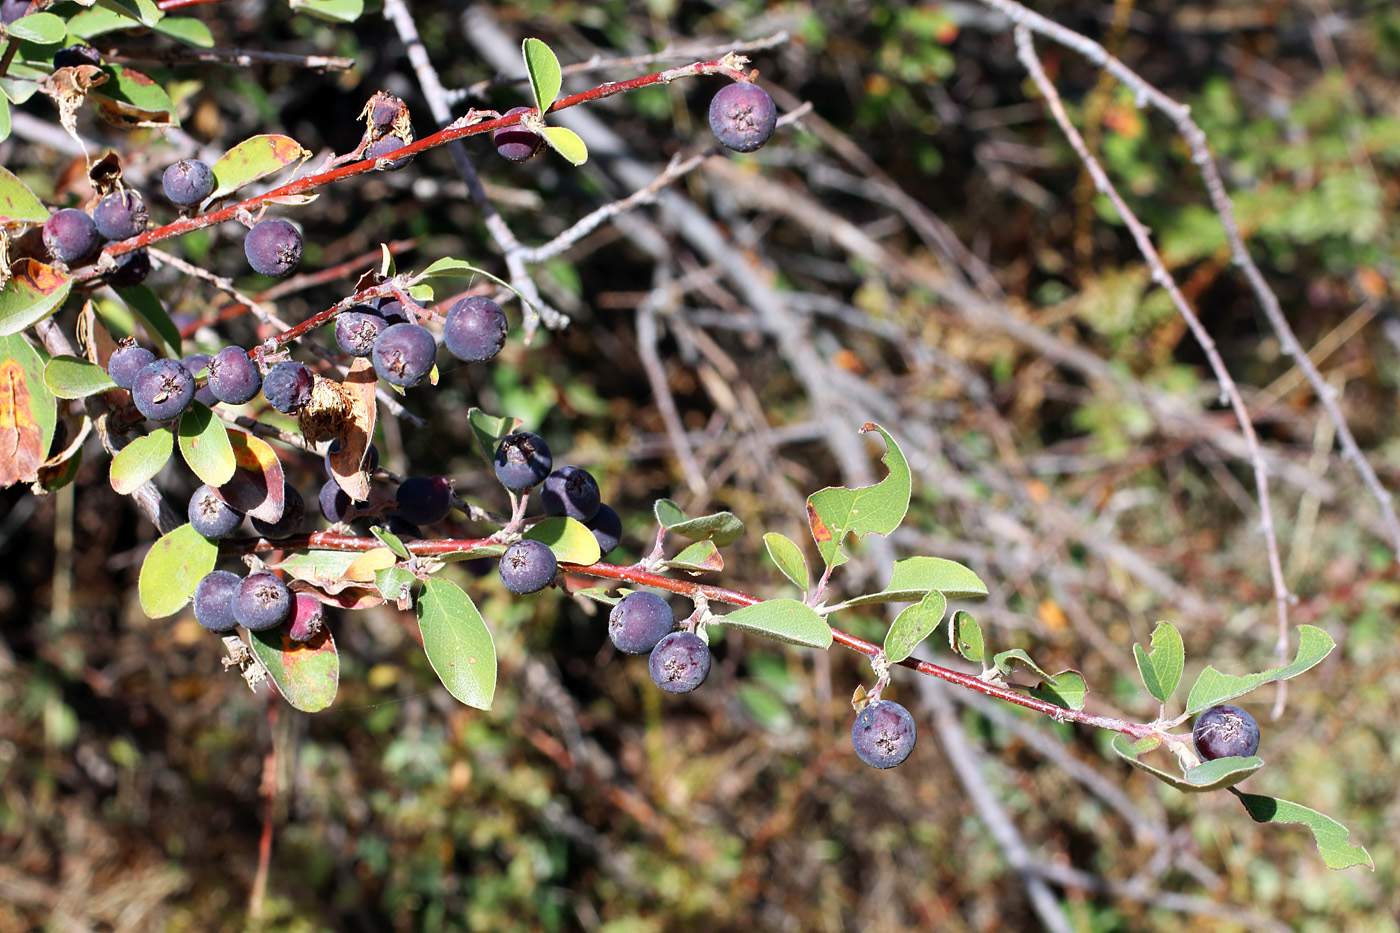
(1025, 51)
(174, 55)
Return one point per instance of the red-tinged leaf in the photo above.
(258, 487)
(358, 428)
(33, 293)
(20, 453)
(307, 674)
(255, 158)
(370, 563)
(351, 597)
(131, 99)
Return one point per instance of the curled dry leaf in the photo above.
(69, 87)
(356, 430)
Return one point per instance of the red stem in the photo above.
(325, 540)
(166, 5)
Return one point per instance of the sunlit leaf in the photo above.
(835, 512)
(457, 642)
(172, 568)
(788, 558)
(205, 445)
(33, 293)
(71, 377)
(913, 625)
(252, 159)
(782, 619)
(567, 143)
(140, 460)
(1161, 668)
(1213, 687)
(307, 674)
(1331, 837)
(569, 539)
(542, 66)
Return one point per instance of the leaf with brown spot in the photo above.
(258, 486)
(33, 293)
(20, 453)
(347, 463)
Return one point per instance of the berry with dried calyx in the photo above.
(1225, 732)
(680, 662)
(120, 215)
(639, 621)
(187, 182)
(522, 461)
(71, 237)
(403, 354)
(883, 734)
(743, 116)
(528, 566)
(273, 247)
(163, 390)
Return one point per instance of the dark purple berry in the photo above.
(273, 247)
(639, 621)
(883, 734)
(233, 377)
(131, 269)
(120, 215)
(371, 462)
(522, 461)
(743, 116)
(571, 491)
(403, 354)
(195, 363)
(187, 182)
(392, 309)
(1225, 732)
(357, 329)
(680, 662)
(307, 617)
(287, 387)
(607, 528)
(517, 142)
(263, 602)
(385, 146)
(213, 600)
(72, 57)
(211, 516)
(71, 237)
(528, 566)
(126, 361)
(292, 520)
(335, 502)
(401, 529)
(424, 499)
(163, 390)
(475, 329)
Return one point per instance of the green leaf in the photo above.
(71, 377)
(913, 625)
(172, 568)
(915, 576)
(723, 528)
(320, 568)
(188, 30)
(1068, 690)
(394, 583)
(335, 11)
(4, 118)
(700, 557)
(147, 306)
(489, 430)
(788, 558)
(782, 619)
(542, 66)
(1161, 667)
(568, 538)
(391, 541)
(96, 21)
(457, 642)
(144, 12)
(205, 445)
(1213, 687)
(42, 406)
(33, 293)
(307, 674)
(472, 553)
(44, 28)
(836, 511)
(140, 460)
(567, 143)
(1214, 776)
(461, 269)
(601, 594)
(131, 98)
(252, 159)
(1006, 660)
(968, 634)
(1331, 837)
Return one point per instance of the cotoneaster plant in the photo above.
(385, 330)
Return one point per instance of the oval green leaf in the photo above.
(968, 636)
(130, 98)
(782, 619)
(71, 377)
(307, 674)
(1068, 690)
(334, 11)
(1161, 667)
(571, 542)
(542, 65)
(915, 576)
(1007, 660)
(147, 306)
(143, 11)
(1213, 687)
(1214, 777)
(835, 512)
(788, 558)
(33, 293)
(391, 541)
(700, 557)
(172, 568)
(1331, 837)
(913, 625)
(205, 445)
(255, 158)
(43, 28)
(723, 528)
(186, 29)
(140, 460)
(567, 143)
(457, 642)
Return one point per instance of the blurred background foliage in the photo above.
(134, 775)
